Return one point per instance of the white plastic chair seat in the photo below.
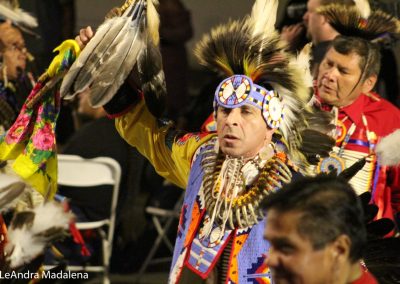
(91, 225)
(86, 174)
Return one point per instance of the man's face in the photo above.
(242, 131)
(312, 20)
(292, 258)
(338, 78)
(13, 50)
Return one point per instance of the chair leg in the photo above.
(106, 258)
(161, 235)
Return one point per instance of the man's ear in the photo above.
(369, 84)
(340, 248)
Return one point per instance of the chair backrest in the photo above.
(75, 171)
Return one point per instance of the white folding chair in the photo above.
(75, 171)
(162, 221)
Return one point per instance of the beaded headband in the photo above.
(237, 90)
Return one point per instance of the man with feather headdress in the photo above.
(344, 86)
(266, 134)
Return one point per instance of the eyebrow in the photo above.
(247, 107)
(282, 241)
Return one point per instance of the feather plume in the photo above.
(152, 78)
(363, 7)
(348, 21)
(31, 231)
(303, 61)
(17, 15)
(263, 17)
(9, 195)
(67, 91)
(11, 188)
(387, 149)
(122, 56)
(104, 51)
(107, 60)
(153, 21)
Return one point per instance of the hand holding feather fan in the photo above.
(129, 38)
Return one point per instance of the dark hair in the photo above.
(342, 2)
(329, 208)
(370, 57)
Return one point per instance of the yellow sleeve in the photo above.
(141, 130)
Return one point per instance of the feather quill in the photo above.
(364, 8)
(387, 149)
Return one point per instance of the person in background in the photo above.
(344, 85)
(317, 233)
(14, 80)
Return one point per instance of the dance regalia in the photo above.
(194, 248)
(359, 127)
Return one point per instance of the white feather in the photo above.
(363, 7)
(50, 215)
(18, 16)
(303, 61)
(387, 150)
(263, 17)
(27, 242)
(22, 247)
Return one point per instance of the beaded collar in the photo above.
(227, 199)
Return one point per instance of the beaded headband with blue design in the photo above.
(237, 90)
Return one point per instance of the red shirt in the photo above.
(366, 278)
(382, 119)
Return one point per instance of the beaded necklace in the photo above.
(239, 209)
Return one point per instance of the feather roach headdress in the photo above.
(258, 71)
(127, 38)
(360, 21)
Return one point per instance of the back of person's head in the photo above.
(342, 2)
(370, 57)
(329, 208)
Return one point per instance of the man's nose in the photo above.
(272, 259)
(331, 74)
(233, 117)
